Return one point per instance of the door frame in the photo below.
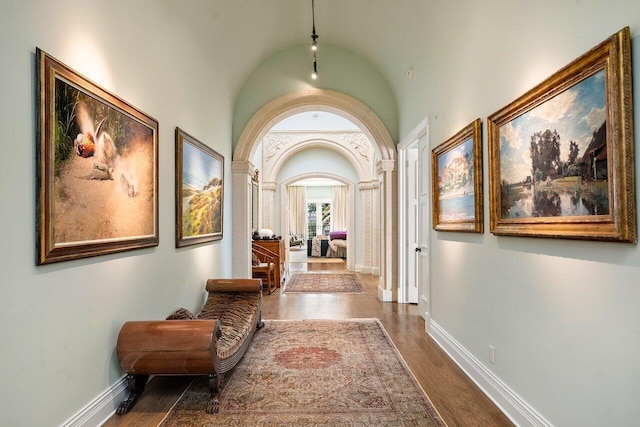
(411, 141)
(284, 211)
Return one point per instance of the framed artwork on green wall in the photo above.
(199, 191)
(561, 156)
(97, 168)
(456, 178)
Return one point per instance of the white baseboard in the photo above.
(100, 409)
(385, 295)
(358, 268)
(375, 271)
(513, 406)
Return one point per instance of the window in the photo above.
(318, 217)
(311, 219)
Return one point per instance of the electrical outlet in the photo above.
(492, 355)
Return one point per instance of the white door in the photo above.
(424, 226)
(411, 192)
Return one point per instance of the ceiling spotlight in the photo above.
(314, 42)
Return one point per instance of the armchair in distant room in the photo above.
(294, 239)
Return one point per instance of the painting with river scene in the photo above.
(561, 155)
(457, 181)
(199, 191)
(553, 158)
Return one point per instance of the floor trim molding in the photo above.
(512, 405)
(100, 409)
(385, 295)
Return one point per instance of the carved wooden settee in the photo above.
(211, 344)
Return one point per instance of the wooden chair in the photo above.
(264, 266)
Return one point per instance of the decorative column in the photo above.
(387, 291)
(365, 248)
(370, 226)
(268, 200)
(375, 227)
(241, 173)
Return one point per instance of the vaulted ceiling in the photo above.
(389, 34)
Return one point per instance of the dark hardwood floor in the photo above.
(455, 396)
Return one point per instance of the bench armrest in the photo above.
(234, 285)
(168, 346)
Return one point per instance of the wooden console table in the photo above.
(277, 247)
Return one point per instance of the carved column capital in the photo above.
(242, 166)
(387, 165)
(269, 186)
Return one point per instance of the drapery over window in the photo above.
(339, 213)
(298, 210)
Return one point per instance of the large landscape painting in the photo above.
(199, 191)
(553, 159)
(561, 155)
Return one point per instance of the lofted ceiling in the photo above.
(243, 33)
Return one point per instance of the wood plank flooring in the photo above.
(455, 396)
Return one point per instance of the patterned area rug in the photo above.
(318, 260)
(314, 373)
(320, 283)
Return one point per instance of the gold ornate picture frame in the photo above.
(561, 156)
(456, 177)
(199, 191)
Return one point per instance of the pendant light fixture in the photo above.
(314, 43)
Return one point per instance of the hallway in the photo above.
(459, 401)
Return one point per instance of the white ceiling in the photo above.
(314, 121)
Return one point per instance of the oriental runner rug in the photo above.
(313, 373)
(320, 283)
(318, 260)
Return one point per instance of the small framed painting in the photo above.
(561, 156)
(97, 168)
(199, 191)
(456, 170)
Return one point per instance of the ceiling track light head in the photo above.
(314, 43)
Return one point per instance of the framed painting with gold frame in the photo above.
(561, 156)
(456, 177)
(199, 191)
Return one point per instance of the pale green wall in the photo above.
(319, 192)
(562, 315)
(59, 323)
(339, 69)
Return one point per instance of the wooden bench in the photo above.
(211, 344)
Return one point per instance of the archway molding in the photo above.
(284, 217)
(358, 165)
(370, 124)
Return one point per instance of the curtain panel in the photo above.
(339, 207)
(298, 210)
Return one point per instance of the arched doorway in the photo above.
(284, 218)
(370, 124)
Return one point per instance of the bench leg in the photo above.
(260, 323)
(214, 387)
(135, 384)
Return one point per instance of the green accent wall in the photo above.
(339, 69)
